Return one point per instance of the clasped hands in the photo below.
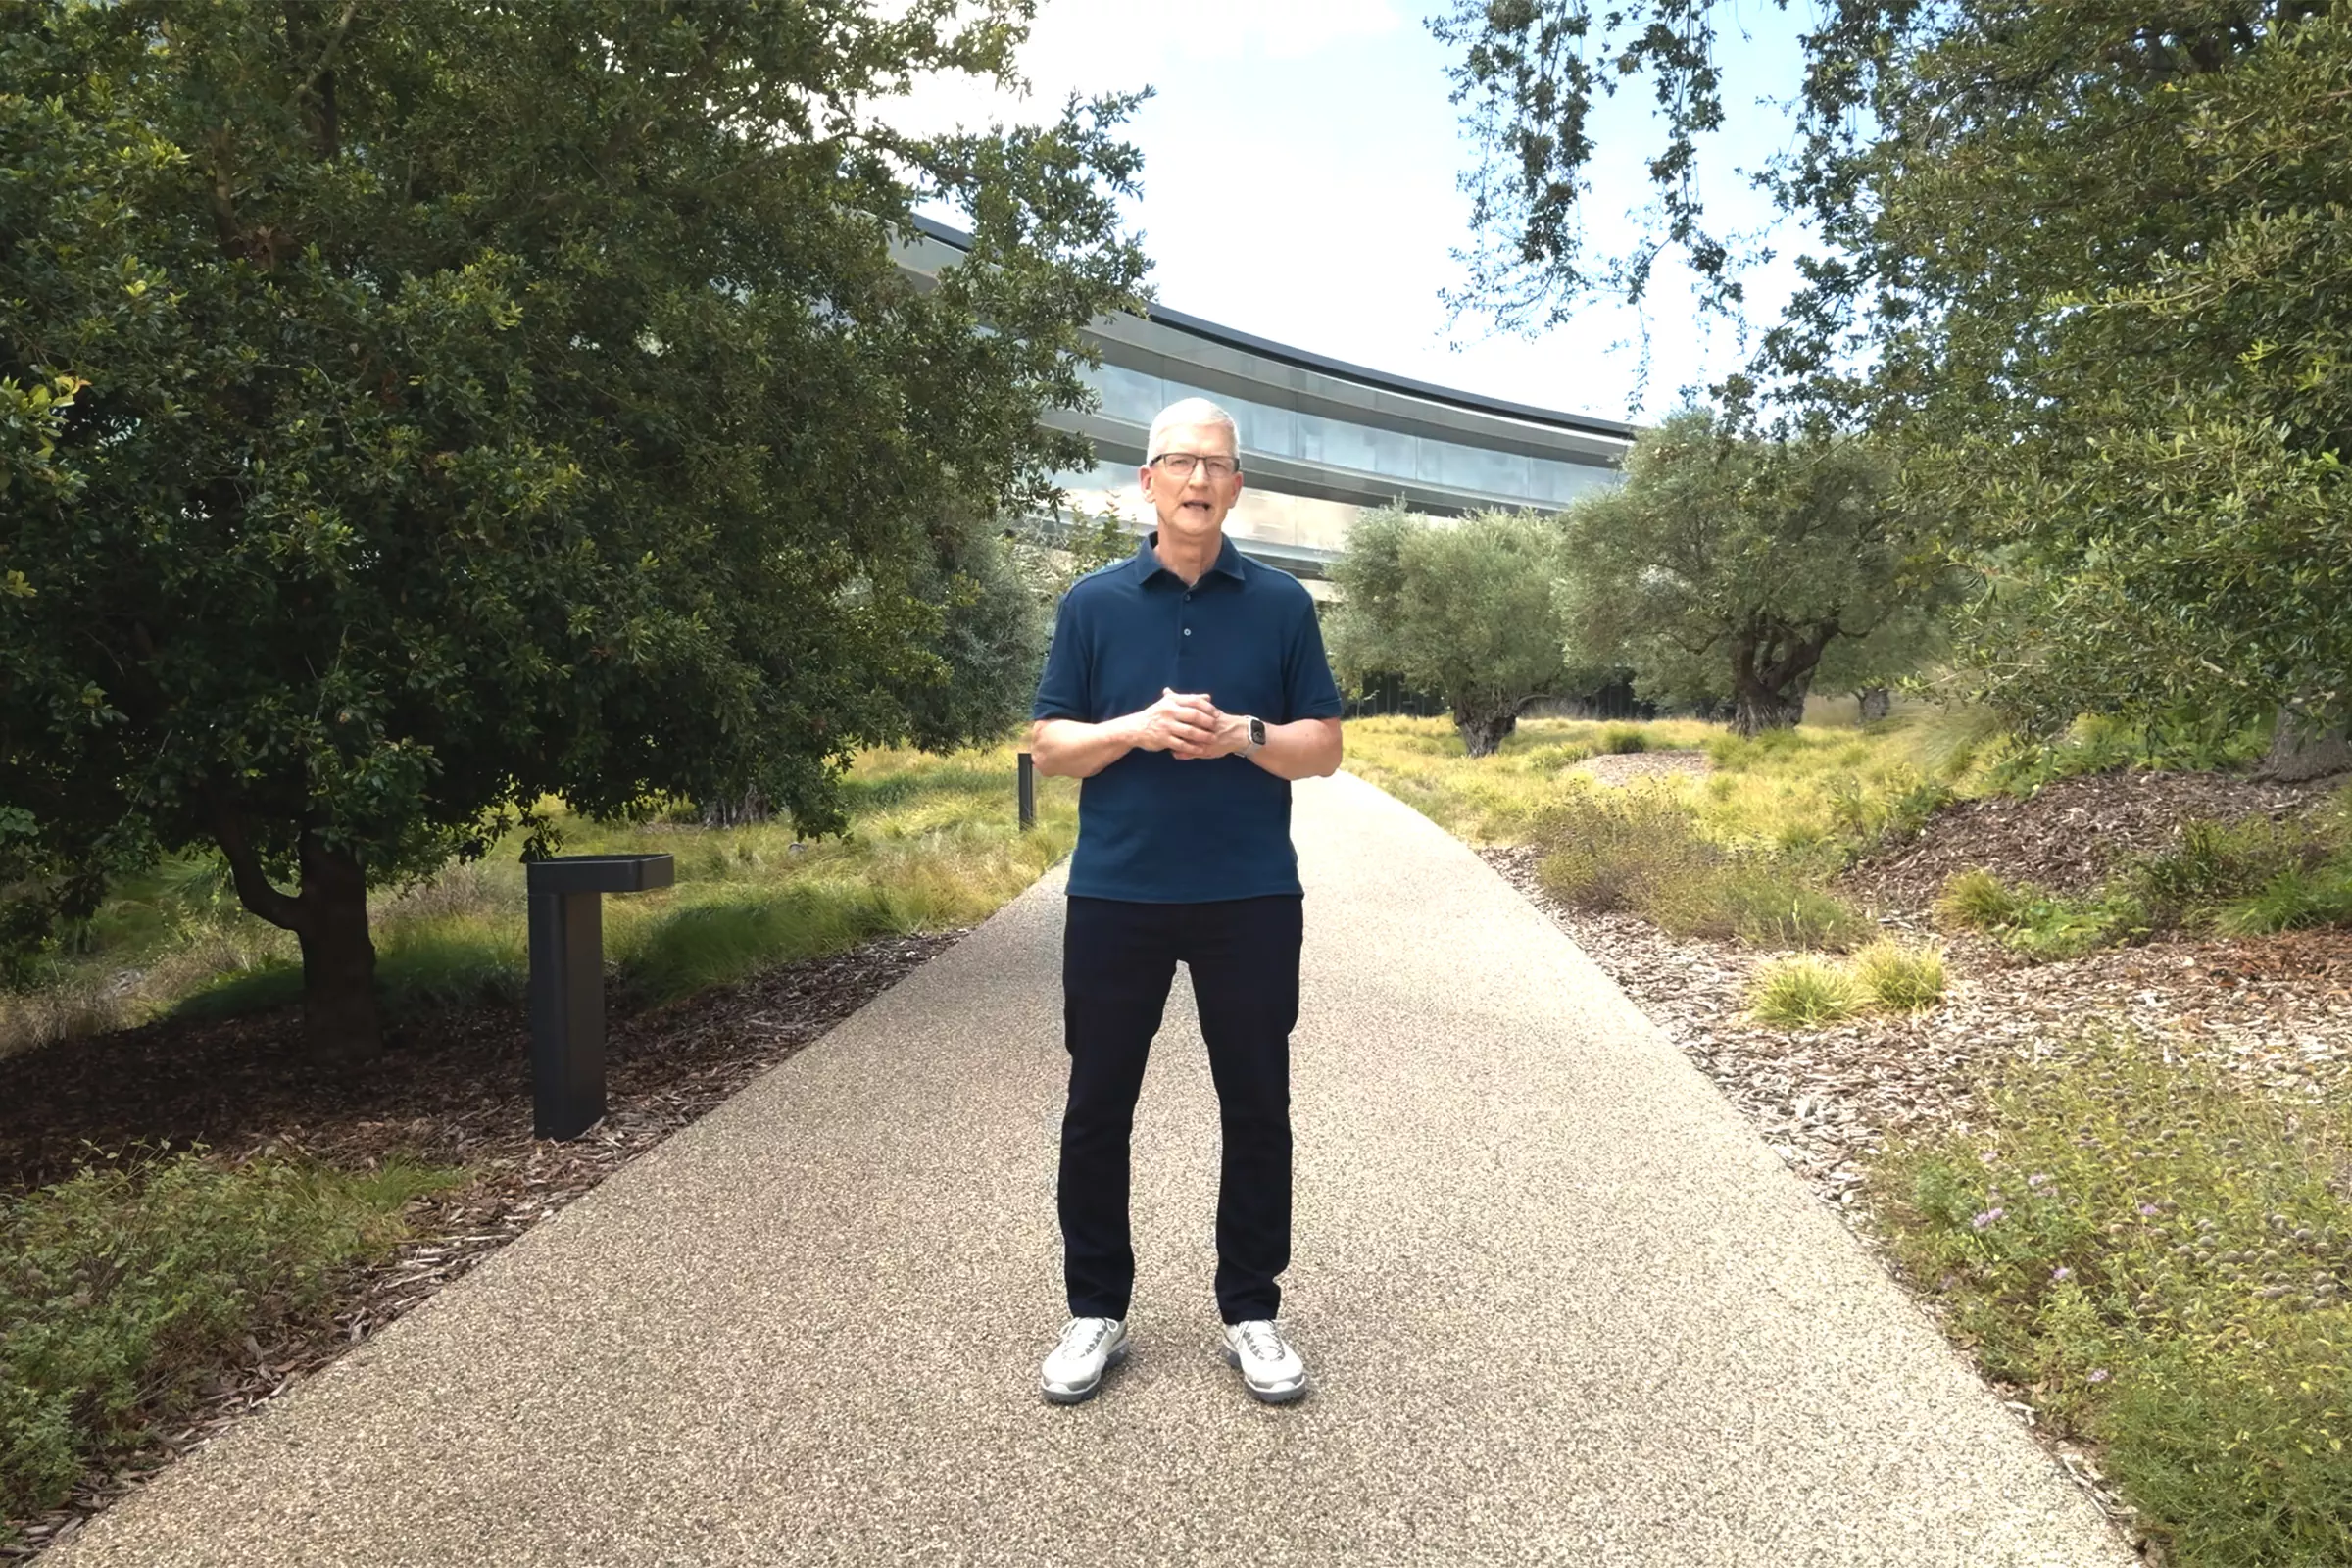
(1190, 725)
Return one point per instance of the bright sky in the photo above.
(1299, 159)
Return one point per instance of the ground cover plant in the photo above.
(2164, 1259)
(2241, 878)
(932, 844)
(123, 1287)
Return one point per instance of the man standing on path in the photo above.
(1186, 686)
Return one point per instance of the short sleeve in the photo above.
(1307, 689)
(1064, 690)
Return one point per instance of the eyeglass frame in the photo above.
(1193, 464)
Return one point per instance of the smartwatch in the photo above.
(1257, 736)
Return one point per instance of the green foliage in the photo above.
(2294, 899)
(932, 845)
(410, 414)
(2218, 864)
(1805, 993)
(2168, 1257)
(1461, 608)
(1726, 567)
(1898, 978)
(2041, 925)
(1976, 899)
(1640, 851)
(1622, 740)
(122, 1288)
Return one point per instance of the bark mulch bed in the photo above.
(2071, 835)
(2275, 1008)
(453, 1090)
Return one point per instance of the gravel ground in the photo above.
(1627, 768)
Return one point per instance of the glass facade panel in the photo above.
(1130, 394)
(1137, 397)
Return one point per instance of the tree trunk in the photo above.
(1483, 731)
(339, 1013)
(328, 916)
(1877, 703)
(2301, 750)
(1759, 711)
(743, 811)
(1771, 670)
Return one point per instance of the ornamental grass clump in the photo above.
(1806, 992)
(1898, 978)
(2165, 1254)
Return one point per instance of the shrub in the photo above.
(1897, 978)
(2221, 862)
(1640, 851)
(2041, 926)
(1805, 993)
(123, 1287)
(1767, 906)
(1604, 851)
(2166, 1255)
(2292, 900)
(1620, 740)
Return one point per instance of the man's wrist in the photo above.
(1253, 735)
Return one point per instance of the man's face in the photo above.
(1193, 505)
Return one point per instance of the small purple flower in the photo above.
(1988, 1156)
(2039, 1179)
(2098, 1375)
(2150, 1211)
(1987, 1219)
(2062, 1272)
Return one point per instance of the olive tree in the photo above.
(409, 411)
(1459, 608)
(1728, 563)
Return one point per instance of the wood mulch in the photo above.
(451, 1091)
(2276, 1010)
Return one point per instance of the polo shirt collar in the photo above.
(1230, 561)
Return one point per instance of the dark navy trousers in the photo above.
(1118, 960)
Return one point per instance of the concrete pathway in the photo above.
(1561, 1305)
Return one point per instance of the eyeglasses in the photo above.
(1180, 466)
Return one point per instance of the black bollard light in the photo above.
(1028, 791)
(567, 980)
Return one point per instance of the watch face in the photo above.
(1257, 732)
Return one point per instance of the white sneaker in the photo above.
(1270, 1369)
(1089, 1346)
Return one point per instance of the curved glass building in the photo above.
(1321, 440)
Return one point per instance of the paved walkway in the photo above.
(1561, 1305)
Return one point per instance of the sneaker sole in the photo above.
(1281, 1394)
(1054, 1396)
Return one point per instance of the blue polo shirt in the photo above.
(1154, 828)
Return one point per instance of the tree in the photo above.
(410, 411)
(2084, 268)
(1731, 564)
(1459, 608)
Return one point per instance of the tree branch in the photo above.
(259, 896)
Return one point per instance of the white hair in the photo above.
(1192, 410)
